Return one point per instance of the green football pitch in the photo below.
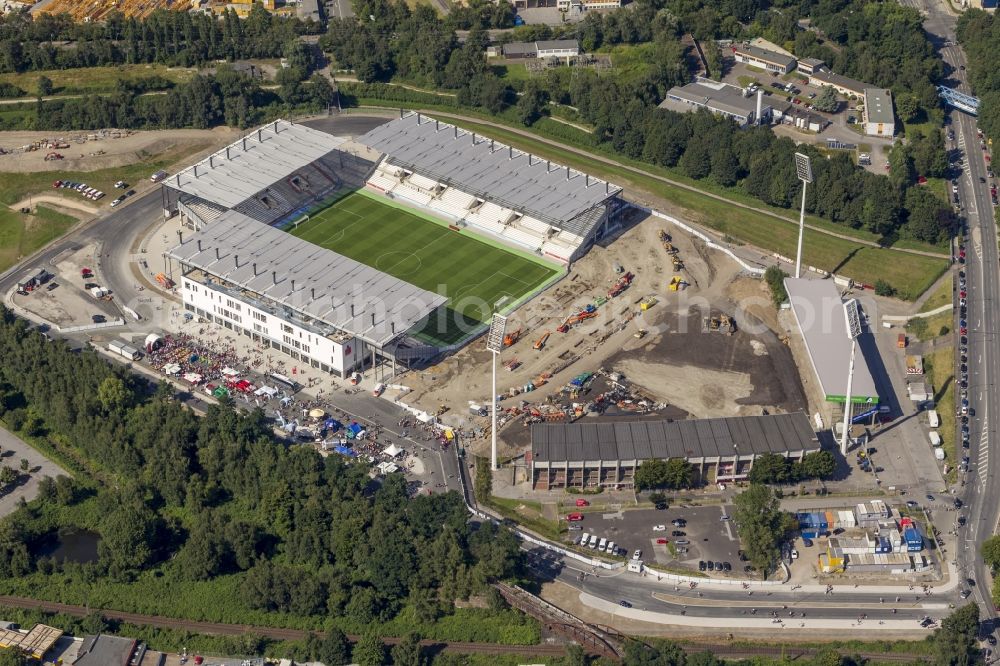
(472, 273)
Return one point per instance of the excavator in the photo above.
(511, 338)
(540, 342)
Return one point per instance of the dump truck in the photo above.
(901, 341)
(621, 285)
(647, 303)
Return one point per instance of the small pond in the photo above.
(71, 544)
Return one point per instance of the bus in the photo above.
(284, 381)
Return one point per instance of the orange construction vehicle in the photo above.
(164, 281)
(540, 342)
(511, 338)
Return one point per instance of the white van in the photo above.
(603, 544)
(611, 549)
(585, 541)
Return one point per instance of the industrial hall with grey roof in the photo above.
(590, 454)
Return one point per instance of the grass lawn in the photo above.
(941, 296)
(910, 274)
(95, 79)
(20, 235)
(471, 272)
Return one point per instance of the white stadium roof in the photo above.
(306, 278)
(488, 168)
(819, 313)
(245, 167)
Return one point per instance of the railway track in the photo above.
(721, 650)
(277, 633)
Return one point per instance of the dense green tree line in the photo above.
(46, 41)
(979, 34)
(226, 97)
(203, 497)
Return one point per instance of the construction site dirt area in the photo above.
(647, 293)
(709, 374)
(24, 152)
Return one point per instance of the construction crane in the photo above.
(540, 342)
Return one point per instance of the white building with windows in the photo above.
(321, 308)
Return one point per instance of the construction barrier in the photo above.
(756, 271)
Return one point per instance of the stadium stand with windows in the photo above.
(273, 174)
(492, 188)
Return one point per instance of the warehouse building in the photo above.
(719, 98)
(606, 454)
(880, 120)
(553, 48)
(842, 84)
(819, 315)
(772, 61)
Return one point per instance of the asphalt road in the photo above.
(981, 492)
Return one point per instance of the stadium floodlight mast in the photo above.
(494, 343)
(853, 331)
(804, 170)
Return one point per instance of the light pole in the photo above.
(803, 169)
(853, 331)
(494, 343)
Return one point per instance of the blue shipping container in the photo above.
(810, 534)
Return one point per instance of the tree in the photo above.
(25, 464)
(907, 106)
(530, 103)
(725, 167)
(990, 551)
(576, 656)
(816, 465)
(8, 475)
(826, 101)
(955, 640)
(369, 651)
(770, 468)
(651, 474)
(761, 525)
(679, 473)
(883, 288)
(12, 657)
(334, 650)
(44, 86)
(408, 652)
(113, 395)
(775, 279)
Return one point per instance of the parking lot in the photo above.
(839, 129)
(704, 535)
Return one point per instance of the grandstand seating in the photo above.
(481, 216)
(204, 210)
(411, 194)
(537, 226)
(382, 182)
(423, 183)
(521, 237)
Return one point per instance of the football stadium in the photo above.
(391, 248)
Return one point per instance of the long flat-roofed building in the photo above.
(586, 454)
(880, 119)
(318, 306)
(772, 61)
(822, 322)
(719, 98)
(842, 84)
